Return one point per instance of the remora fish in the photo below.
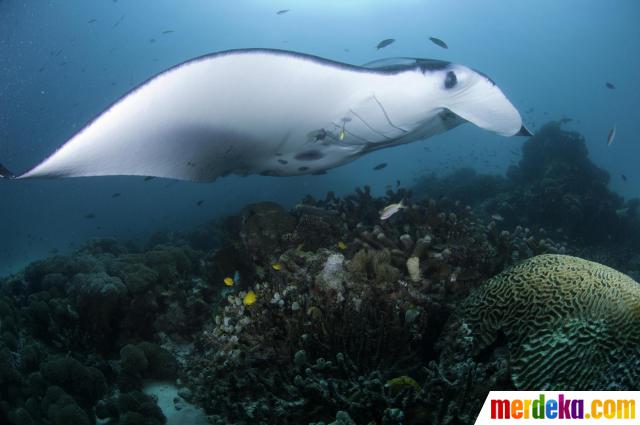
(276, 113)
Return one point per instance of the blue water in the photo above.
(57, 71)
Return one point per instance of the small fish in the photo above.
(384, 43)
(612, 135)
(497, 217)
(152, 40)
(91, 21)
(624, 178)
(228, 281)
(438, 42)
(200, 202)
(236, 277)
(149, 178)
(342, 246)
(276, 266)
(89, 216)
(390, 210)
(380, 166)
(118, 22)
(341, 135)
(249, 298)
(168, 32)
(282, 12)
(610, 86)
(115, 195)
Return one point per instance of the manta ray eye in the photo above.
(450, 80)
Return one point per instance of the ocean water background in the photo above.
(58, 70)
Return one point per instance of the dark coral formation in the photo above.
(66, 321)
(349, 322)
(555, 186)
(332, 326)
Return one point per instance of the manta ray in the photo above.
(276, 113)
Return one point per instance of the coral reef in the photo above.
(555, 186)
(551, 310)
(331, 326)
(324, 314)
(65, 321)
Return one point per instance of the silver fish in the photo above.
(390, 210)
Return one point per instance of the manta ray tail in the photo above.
(5, 173)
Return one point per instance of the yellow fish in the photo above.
(342, 246)
(276, 266)
(249, 298)
(228, 281)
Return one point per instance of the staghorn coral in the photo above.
(554, 309)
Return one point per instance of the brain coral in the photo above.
(570, 324)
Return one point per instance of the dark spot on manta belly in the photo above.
(450, 80)
(303, 169)
(311, 155)
(282, 161)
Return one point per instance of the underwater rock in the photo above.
(554, 310)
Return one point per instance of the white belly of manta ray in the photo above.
(276, 113)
